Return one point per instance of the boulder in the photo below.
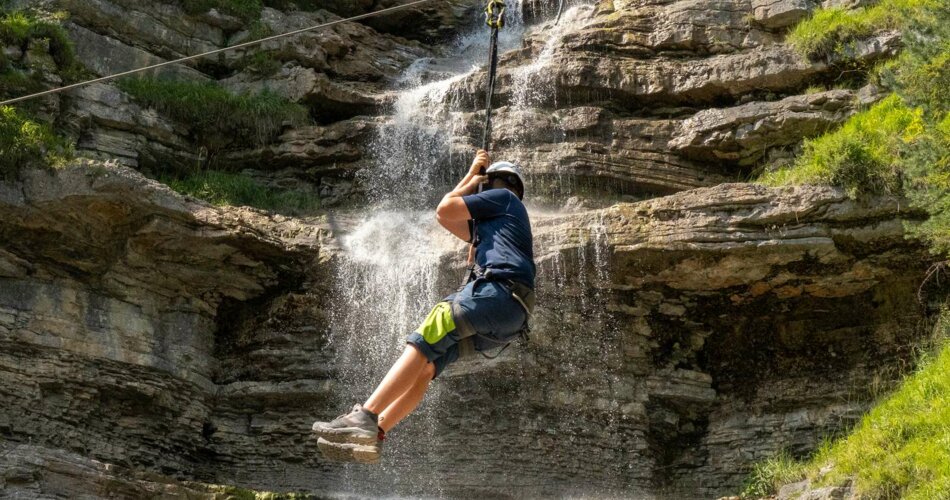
(107, 56)
(743, 134)
(774, 14)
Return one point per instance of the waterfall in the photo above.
(397, 263)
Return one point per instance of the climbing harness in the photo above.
(495, 19)
(217, 51)
(523, 294)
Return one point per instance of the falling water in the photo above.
(396, 260)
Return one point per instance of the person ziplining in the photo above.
(491, 309)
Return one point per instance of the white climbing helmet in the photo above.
(506, 167)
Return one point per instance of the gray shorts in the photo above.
(483, 313)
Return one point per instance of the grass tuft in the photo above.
(864, 155)
(224, 188)
(218, 117)
(768, 476)
(829, 31)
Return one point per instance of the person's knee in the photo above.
(428, 371)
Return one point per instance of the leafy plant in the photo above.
(864, 155)
(25, 143)
(18, 28)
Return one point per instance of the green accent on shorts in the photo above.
(438, 324)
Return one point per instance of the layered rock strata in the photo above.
(678, 341)
(113, 288)
(619, 98)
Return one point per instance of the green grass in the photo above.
(864, 155)
(829, 31)
(770, 475)
(25, 143)
(224, 188)
(218, 117)
(900, 146)
(900, 449)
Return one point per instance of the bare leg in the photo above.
(403, 405)
(401, 378)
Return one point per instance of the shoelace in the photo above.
(355, 409)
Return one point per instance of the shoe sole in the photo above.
(348, 452)
(347, 435)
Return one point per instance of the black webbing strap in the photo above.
(494, 17)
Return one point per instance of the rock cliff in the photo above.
(688, 326)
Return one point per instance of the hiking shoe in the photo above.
(349, 452)
(358, 427)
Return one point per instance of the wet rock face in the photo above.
(669, 94)
(679, 339)
(111, 288)
(625, 98)
(144, 330)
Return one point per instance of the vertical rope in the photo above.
(492, 69)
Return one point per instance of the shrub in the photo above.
(216, 116)
(18, 28)
(25, 143)
(223, 188)
(929, 169)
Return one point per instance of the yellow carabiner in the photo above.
(492, 18)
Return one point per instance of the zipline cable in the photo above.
(213, 52)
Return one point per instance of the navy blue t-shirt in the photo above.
(503, 234)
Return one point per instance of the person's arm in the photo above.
(452, 213)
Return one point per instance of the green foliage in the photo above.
(223, 188)
(18, 28)
(898, 146)
(864, 155)
(768, 476)
(246, 10)
(25, 143)
(261, 63)
(929, 170)
(829, 31)
(900, 449)
(217, 117)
